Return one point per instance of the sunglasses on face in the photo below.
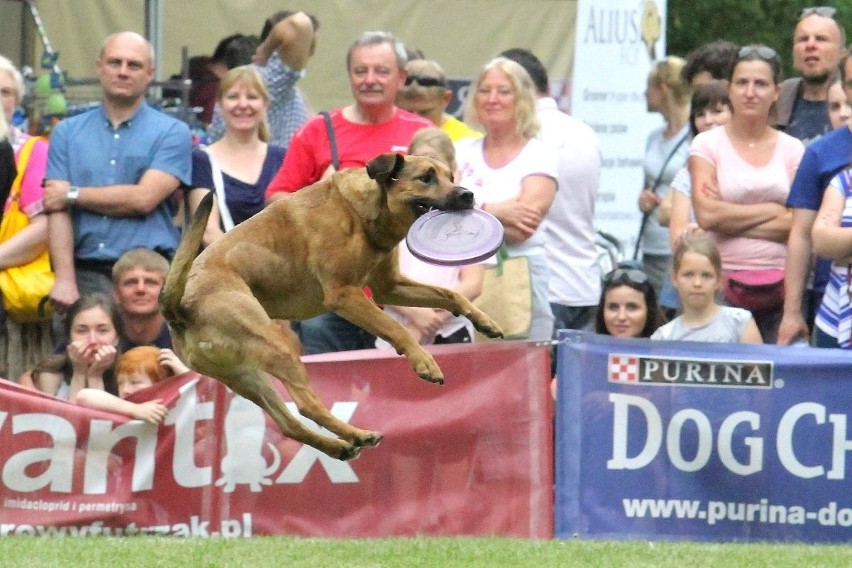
(425, 81)
(620, 275)
(824, 11)
(762, 51)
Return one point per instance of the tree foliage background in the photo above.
(771, 22)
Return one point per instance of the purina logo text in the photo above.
(635, 369)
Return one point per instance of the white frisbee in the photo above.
(452, 238)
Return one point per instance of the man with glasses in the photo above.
(426, 93)
(818, 45)
(823, 159)
(370, 126)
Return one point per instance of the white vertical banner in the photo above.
(617, 42)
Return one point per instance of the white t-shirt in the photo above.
(438, 275)
(501, 184)
(569, 225)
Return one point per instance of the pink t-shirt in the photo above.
(32, 193)
(740, 182)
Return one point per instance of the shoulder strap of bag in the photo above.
(332, 141)
(219, 185)
(23, 160)
(653, 190)
(668, 159)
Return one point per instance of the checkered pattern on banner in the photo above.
(623, 368)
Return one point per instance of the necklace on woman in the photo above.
(754, 141)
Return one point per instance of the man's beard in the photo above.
(817, 80)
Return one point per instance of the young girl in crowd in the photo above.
(93, 326)
(138, 368)
(710, 108)
(628, 305)
(428, 325)
(697, 276)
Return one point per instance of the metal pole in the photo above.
(154, 33)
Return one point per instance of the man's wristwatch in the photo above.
(72, 195)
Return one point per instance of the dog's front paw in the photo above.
(426, 367)
(487, 326)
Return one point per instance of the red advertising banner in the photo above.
(472, 457)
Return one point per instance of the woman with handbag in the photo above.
(666, 152)
(240, 165)
(28, 337)
(741, 175)
(512, 175)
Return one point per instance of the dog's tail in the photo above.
(187, 251)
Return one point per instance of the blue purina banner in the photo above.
(702, 441)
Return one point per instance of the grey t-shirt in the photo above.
(726, 327)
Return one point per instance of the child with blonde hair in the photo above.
(697, 276)
(138, 368)
(427, 325)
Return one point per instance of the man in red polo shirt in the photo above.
(370, 126)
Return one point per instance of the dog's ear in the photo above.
(385, 168)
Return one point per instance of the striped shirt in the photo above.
(835, 312)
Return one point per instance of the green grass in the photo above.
(291, 552)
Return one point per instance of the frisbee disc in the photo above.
(453, 238)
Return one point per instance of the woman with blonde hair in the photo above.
(512, 173)
(666, 151)
(240, 165)
(24, 343)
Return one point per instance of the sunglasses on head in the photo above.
(425, 81)
(632, 275)
(824, 11)
(761, 51)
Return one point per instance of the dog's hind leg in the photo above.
(279, 357)
(257, 388)
(295, 379)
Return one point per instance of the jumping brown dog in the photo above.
(311, 252)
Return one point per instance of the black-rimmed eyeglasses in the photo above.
(425, 81)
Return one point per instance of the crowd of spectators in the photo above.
(748, 155)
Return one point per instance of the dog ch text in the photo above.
(667, 437)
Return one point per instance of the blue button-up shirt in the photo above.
(86, 151)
